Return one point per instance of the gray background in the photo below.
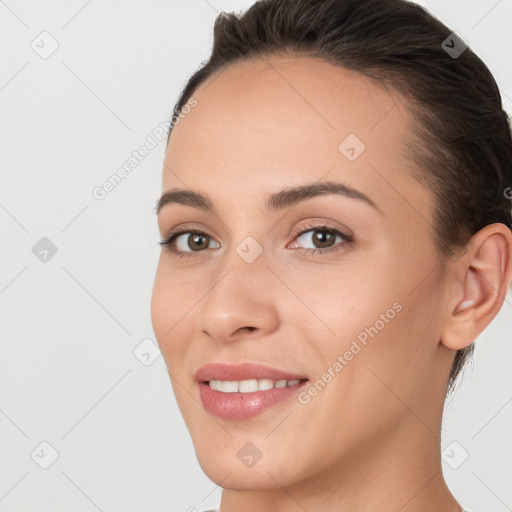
(72, 368)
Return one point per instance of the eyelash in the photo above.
(169, 240)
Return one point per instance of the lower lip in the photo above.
(240, 406)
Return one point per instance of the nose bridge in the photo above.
(239, 298)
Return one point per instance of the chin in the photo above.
(229, 476)
(227, 469)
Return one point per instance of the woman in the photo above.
(336, 232)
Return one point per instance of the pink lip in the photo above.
(242, 371)
(238, 406)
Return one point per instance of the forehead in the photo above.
(290, 102)
(263, 124)
(293, 98)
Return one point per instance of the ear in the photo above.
(482, 278)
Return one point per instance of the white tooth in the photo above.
(248, 386)
(216, 384)
(264, 384)
(229, 386)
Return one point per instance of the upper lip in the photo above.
(242, 371)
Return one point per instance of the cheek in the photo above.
(372, 328)
(390, 350)
(160, 304)
(342, 303)
(169, 306)
(363, 384)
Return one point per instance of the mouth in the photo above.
(243, 390)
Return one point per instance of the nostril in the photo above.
(250, 329)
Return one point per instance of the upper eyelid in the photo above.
(188, 228)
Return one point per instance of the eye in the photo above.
(187, 242)
(323, 238)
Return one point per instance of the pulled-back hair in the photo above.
(462, 143)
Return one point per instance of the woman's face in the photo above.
(360, 318)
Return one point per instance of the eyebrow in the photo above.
(274, 202)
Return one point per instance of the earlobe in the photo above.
(484, 276)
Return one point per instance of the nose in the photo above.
(242, 301)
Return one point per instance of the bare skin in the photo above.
(369, 441)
